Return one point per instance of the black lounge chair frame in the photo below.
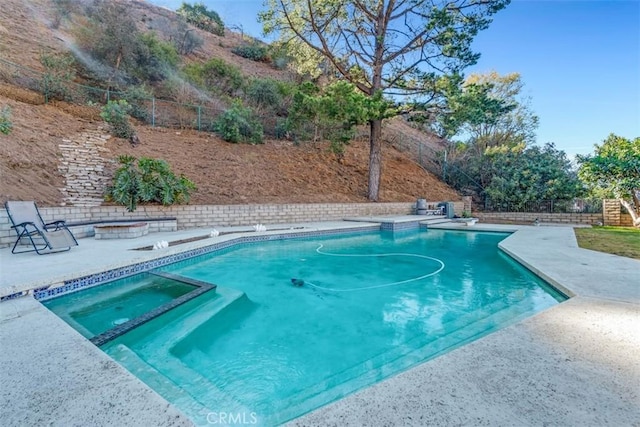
(45, 238)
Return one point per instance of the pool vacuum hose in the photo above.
(300, 282)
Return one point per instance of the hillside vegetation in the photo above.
(278, 171)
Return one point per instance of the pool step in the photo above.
(204, 391)
(434, 221)
(179, 323)
(194, 395)
(494, 316)
(182, 279)
(155, 380)
(156, 366)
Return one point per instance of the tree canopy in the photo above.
(396, 47)
(514, 124)
(497, 158)
(614, 171)
(518, 175)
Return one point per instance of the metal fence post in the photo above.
(153, 112)
(444, 167)
(199, 115)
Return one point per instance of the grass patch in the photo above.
(623, 241)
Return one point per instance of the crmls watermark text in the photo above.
(230, 418)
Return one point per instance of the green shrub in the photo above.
(255, 51)
(216, 75)
(265, 93)
(148, 181)
(5, 120)
(280, 58)
(303, 116)
(111, 37)
(59, 72)
(238, 124)
(116, 113)
(165, 52)
(281, 129)
(201, 17)
(156, 58)
(136, 97)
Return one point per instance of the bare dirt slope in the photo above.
(275, 172)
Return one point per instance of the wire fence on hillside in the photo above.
(424, 154)
(171, 114)
(149, 110)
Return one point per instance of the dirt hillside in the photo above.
(274, 172)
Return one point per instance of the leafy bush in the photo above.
(156, 58)
(135, 96)
(281, 128)
(5, 120)
(238, 124)
(216, 75)
(116, 113)
(255, 51)
(123, 53)
(280, 58)
(59, 72)
(112, 38)
(520, 175)
(148, 181)
(303, 115)
(201, 17)
(165, 52)
(265, 93)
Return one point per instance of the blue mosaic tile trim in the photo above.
(86, 282)
(14, 296)
(201, 287)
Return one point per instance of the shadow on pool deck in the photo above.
(574, 364)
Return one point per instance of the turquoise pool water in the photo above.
(263, 351)
(96, 310)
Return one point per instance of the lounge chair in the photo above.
(44, 237)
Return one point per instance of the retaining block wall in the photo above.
(626, 220)
(611, 212)
(530, 217)
(194, 216)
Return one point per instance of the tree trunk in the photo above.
(375, 159)
(634, 215)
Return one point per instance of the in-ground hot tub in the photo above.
(121, 231)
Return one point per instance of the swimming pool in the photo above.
(371, 305)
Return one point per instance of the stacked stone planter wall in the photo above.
(83, 168)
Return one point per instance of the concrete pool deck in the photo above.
(574, 364)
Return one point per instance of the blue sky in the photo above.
(579, 61)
